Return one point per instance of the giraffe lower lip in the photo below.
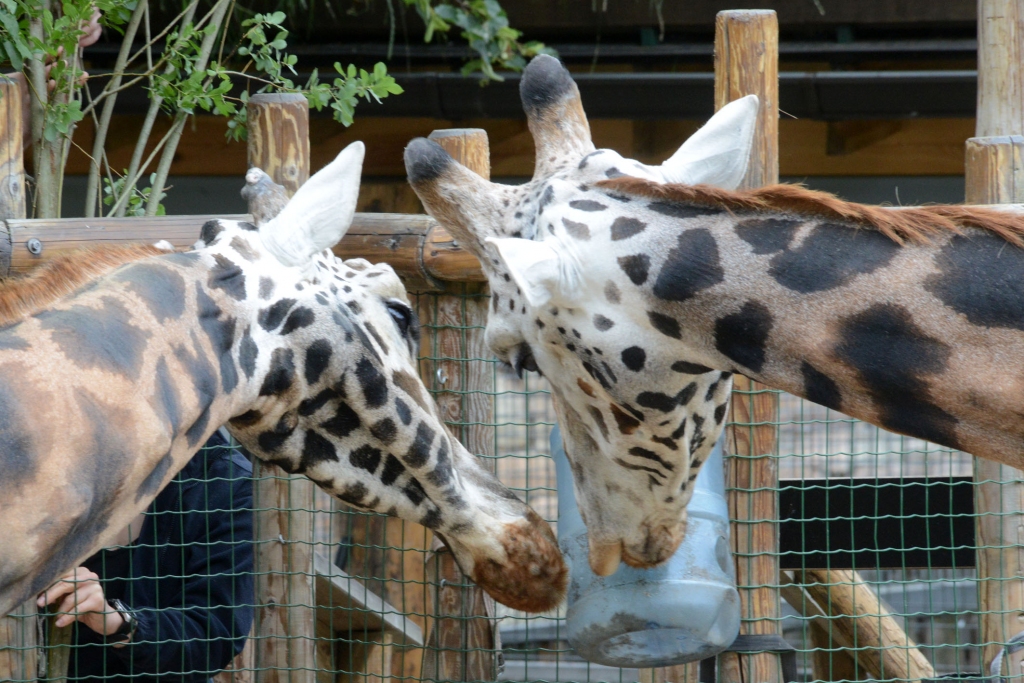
(604, 557)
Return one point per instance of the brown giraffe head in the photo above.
(309, 360)
(636, 423)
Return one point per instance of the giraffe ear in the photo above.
(544, 270)
(320, 212)
(718, 153)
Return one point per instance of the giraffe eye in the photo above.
(402, 315)
(525, 361)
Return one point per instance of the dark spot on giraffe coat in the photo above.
(365, 457)
(221, 334)
(820, 388)
(18, 463)
(384, 430)
(226, 275)
(297, 319)
(624, 227)
(281, 374)
(373, 383)
(767, 235)
(667, 325)
(656, 400)
(432, 519)
(611, 292)
(613, 172)
(10, 341)
(634, 358)
(978, 277)
(151, 485)
(404, 414)
(742, 336)
(545, 199)
(266, 288)
(102, 337)
(311, 405)
(598, 418)
(373, 332)
(681, 210)
(602, 323)
(626, 423)
(315, 451)
(710, 393)
(687, 394)
(392, 470)
(651, 455)
(583, 162)
(343, 422)
(269, 318)
(419, 451)
(161, 288)
(204, 382)
(831, 255)
(208, 233)
(413, 490)
(667, 443)
(587, 205)
(442, 472)
(596, 374)
(894, 358)
(635, 267)
(719, 415)
(688, 368)
(691, 266)
(642, 468)
(272, 439)
(248, 352)
(412, 387)
(579, 231)
(165, 399)
(353, 494)
(318, 357)
(246, 225)
(244, 249)
(246, 419)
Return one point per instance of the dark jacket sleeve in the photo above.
(208, 626)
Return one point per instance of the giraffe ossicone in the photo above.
(639, 290)
(309, 360)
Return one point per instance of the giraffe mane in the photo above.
(63, 275)
(915, 224)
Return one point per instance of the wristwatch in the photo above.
(129, 623)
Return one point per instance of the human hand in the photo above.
(83, 601)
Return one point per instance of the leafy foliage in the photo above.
(137, 200)
(485, 27)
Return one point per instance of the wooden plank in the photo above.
(462, 644)
(860, 623)
(18, 629)
(285, 624)
(746, 62)
(348, 605)
(995, 173)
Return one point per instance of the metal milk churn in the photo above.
(682, 611)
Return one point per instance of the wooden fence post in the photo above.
(18, 630)
(994, 174)
(746, 62)
(285, 623)
(462, 645)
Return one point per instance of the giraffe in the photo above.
(122, 364)
(638, 291)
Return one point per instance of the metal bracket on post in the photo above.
(755, 643)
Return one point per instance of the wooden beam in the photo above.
(285, 624)
(746, 62)
(462, 642)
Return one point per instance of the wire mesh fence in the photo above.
(373, 594)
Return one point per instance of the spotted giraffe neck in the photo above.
(911, 337)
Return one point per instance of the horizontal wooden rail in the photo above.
(421, 252)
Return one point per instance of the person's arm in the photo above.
(211, 628)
